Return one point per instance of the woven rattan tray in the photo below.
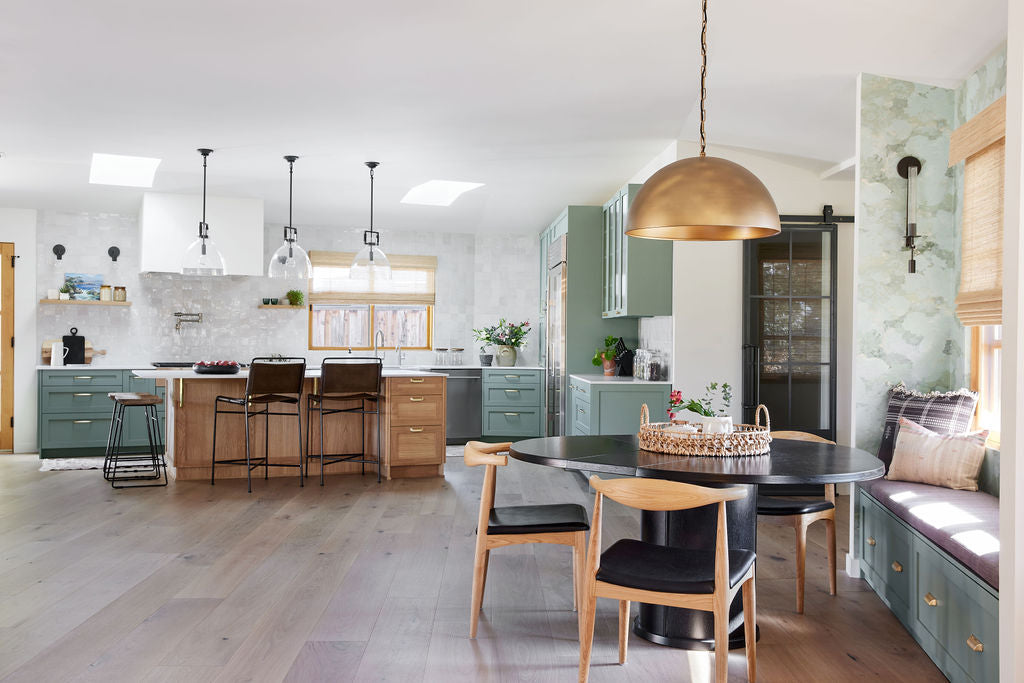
(745, 439)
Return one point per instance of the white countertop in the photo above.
(185, 373)
(78, 367)
(476, 367)
(601, 379)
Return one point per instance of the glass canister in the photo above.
(440, 356)
(120, 294)
(105, 293)
(456, 356)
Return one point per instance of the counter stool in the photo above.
(118, 467)
(271, 381)
(346, 380)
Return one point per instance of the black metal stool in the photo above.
(271, 381)
(139, 468)
(346, 380)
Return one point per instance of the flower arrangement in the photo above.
(714, 392)
(505, 333)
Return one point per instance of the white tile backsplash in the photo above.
(479, 279)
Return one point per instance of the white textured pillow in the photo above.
(949, 460)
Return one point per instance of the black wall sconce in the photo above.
(910, 168)
(113, 253)
(59, 251)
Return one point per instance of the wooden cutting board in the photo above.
(89, 351)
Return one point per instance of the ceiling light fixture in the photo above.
(202, 256)
(290, 260)
(438, 192)
(371, 262)
(126, 171)
(703, 198)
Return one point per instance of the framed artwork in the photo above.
(84, 287)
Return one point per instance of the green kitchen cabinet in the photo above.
(513, 402)
(75, 412)
(611, 405)
(637, 273)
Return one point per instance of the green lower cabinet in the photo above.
(598, 406)
(951, 613)
(513, 403)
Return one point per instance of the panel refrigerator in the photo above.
(555, 323)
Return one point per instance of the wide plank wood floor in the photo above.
(358, 581)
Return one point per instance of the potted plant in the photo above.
(507, 336)
(64, 294)
(712, 421)
(485, 358)
(295, 297)
(605, 357)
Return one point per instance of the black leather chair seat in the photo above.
(636, 564)
(768, 505)
(262, 398)
(537, 519)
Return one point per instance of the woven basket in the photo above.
(744, 440)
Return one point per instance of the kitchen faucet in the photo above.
(398, 350)
(378, 335)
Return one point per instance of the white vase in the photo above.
(716, 425)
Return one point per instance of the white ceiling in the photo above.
(548, 103)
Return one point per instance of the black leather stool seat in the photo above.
(636, 564)
(537, 519)
(262, 398)
(767, 505)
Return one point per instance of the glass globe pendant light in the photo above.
(703, 198)
(202, 256)
(290, 261)
(371, 261)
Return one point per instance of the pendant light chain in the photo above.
(703, 73)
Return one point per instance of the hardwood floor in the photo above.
(356, 581)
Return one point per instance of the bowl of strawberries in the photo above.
(216, 367)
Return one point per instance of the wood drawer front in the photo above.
(420, 409)
(528, 397)
(83, 377)
(88, 430)
(581, 416)
(518, 422)
(416, 445)
(76, 400)
(511, 377)
(415, 386)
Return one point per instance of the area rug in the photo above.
(61, 464)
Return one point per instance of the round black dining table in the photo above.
(788, 462)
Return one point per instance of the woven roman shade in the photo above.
(980, 143)
(412, 280)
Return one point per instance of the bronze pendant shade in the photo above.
(703, 198)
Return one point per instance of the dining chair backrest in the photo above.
(350, 375)
(487, 454)
(282, 376)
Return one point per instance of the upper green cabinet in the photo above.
(637, 272)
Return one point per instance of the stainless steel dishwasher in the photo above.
(465, 401)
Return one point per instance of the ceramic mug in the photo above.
(57, 354)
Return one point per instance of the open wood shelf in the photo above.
(72, 302)
(294, 308)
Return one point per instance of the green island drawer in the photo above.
(580, 416)
(579, 389)
(82, 377)
(525, 396)
(508, 422)
(76, 400)
(511, 377)
(86, 430)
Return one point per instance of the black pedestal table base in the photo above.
(691, 629)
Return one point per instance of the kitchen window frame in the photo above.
(372, 306)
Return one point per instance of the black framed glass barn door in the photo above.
(789, 352)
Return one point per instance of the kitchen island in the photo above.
(412, 424)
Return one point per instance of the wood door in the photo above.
(6, 346)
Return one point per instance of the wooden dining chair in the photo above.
(632, 570)
(560, 524)
(800, 514)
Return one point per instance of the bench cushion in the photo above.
(964, 524)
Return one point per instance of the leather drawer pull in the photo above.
(415, 399)
(897, 567)
(81, 422)
(416, 380)
(415, 430)
(975, 644)
(86, 394)
(930, 600)
(871, 540)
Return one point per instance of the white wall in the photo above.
(19, 226)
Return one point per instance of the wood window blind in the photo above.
(980, 144)
(412, 280)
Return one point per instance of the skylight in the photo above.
(438, 192)
(117, 169)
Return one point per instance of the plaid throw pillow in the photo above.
(945, 413)
(949, 460)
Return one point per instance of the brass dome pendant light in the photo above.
(703, 198)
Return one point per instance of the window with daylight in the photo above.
(346, 313)
(986, 365)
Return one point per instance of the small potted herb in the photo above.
(295, 297)
(715, 395)
(605, 357)
(64, 293)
